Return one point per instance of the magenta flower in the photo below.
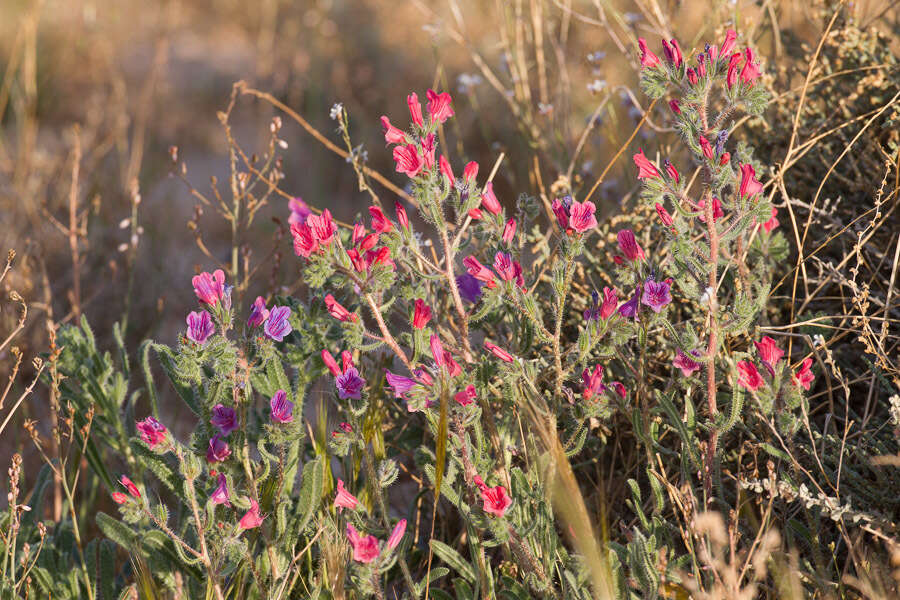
(343, 498)
(218, 450)
(509, 231)
(322, 227)
(466, 396)
(496, 500)
(281, 410)
(446, 169)
(505, 266)
(305, 243)
(479, 271)
(300, 211)
(664, 215)
(258, 312)
(129, 485)
(499, 352)
(392, 135)
(706, 147)
(152, 431)
(251, 518)
(772, 223)
(209, 288)
(769, 352)
(337, 311)
(415, 109)
(380, 223)
(673, 52)
(224, 418)
(718, 213)
(365, 549)
(618, 388)
(489, 200)
(408, 160)
(421, 314)
(629, 246)
(200, 327)
(648, 59)
(804, 377)
(734, 62)
(729, 43)
(402, 217)
(672, 172)
(397, 534)
(470, 172)
(610, 302)
(751, 69)
(592, 382)
(399, 384)
(749, 184)
(748, 376)
(581, 216)
(630, 309)
(469, 287)
(439, 106)
(687, 364)
(561, 210)
(349, 384)
(646, 169)
(277, 325)
(220, 494)
(656, 295)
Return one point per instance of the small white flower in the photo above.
(336, 111)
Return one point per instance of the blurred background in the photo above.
(96, 95)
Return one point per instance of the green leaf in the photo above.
(310, 491)
(453, 559)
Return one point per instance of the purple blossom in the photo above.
(592, 313)
(299, 211)
(200, 327)
(630, 309)
(218, 450)
(224, 418)
(258, 312)
(469, 287)
(209, 287)
(656, 295)
(220, 494)
(277, 325)
(399, 384)
(152, 431)
(687, 364)
(282, 408)
(349, 384)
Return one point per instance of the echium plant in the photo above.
(721, 232)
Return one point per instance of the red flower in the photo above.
(252, 518)
(402, 217)
(673, 53)
(648, 59)
(119, 498)
(509, 231)
(415, 109)
(804, 377)
(618, 388)
(305, 243)
(729, 43)
(733, 63)
(748, 376)
(337, 311)
(769, 352)
(408, 160)
(489, 201)
(645, 167)
(706, 147)
(365, 548)
(478, 270)
(610, 303)
(445, 168)
(380, 223)
(672, 172)
(664, 215)
(751, 70)
(749, 184)
(629, 246)
(129, 485)
(322, 227)
(692, 76)
(466, 396)
(726, 156)
(673, 104)
(773, 222)
(429, 148)
(439, 106)
(503, 264)
(717, 209)
(392, 135)
(592, 382)
(332, 365)
(470, 172)
(562, 214)
(499, 352)
(496, 500)
(421, 314)
(475, 214)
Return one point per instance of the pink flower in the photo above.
(509, 231)
(408, 160)
(258, 312)
(281, 410)
(646, 169)
(200, 327)
(220, 494)
(496, 500)
(618, 388)
(421, 314)
(343, 498)
(489, 200)
(718, 213)
(349, 384)
(592, 382)
(478, 270)
(277, 325)
(209, 288)
(415, 109)
(726, 157)
(687, 364)
(397, 534)
(322, 227)
(772, 223)
(224, 418)
(439, 106)
(729, 43)
(664, 215)
(581, 216)
(218, 450)
(475, 214)
(656, 295)
(392, 135)
(804, 377)
(252, 518)
(648, 59)
(673, 53)
(503, 264)
(706, 147)
(733, 63)
(629, 246)
(380, 223)
(329, 361)
(561, 210)
(446, 169)
(769, 352)
(429, 147)
(305, 243)
(365, 549)
(299, 211)
(337, 311)
(610, 302)
(749, 184)
(673, 104)
(466, 396)
(748, 376)
(751, 70)
(119, 498)
(672, 172)
(498, 352)
(133, 490)
(692, 76)
(402, 217)
(443, 358)
(470, 172)
(152, 431)
(399, 384)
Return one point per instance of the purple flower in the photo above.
(592, 313)
(209, 288)
(200, 327)
(469, 287)
(349, 384)
(656, 295)
(224, 418)
(218, 450)
(258, 312)
(277, 325)
(220, 494)
(687, 364)
(282, 408)
(630, 309)
(299, 211)
(399, 384)
(152, 431)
